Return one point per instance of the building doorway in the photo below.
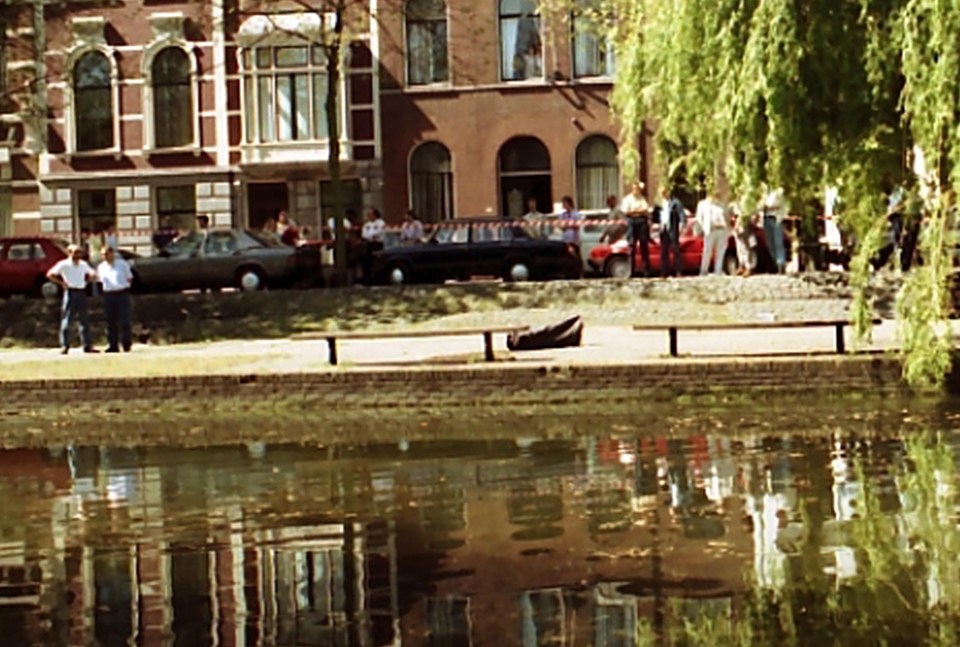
(264, 201)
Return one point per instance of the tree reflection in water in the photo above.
(898, 585)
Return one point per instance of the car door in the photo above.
(174, 268)
(487, 254)
(21, 267)
(220, 259)
(446, 257)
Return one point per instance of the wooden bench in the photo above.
(332, 336)
(673, 328)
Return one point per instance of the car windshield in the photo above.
(265, 239)
(185, 245)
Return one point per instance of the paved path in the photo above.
(601, 345)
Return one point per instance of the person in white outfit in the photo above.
(716, 233)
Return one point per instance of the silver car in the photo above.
(222, 258)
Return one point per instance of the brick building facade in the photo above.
(130, 113)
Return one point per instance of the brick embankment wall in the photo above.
(470, 386)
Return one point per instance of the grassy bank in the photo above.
(180, 318)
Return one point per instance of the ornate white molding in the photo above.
(89, 32)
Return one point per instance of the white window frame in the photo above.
(406, 51)
(149, 118)
(71, 120)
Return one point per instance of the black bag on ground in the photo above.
(565, 334)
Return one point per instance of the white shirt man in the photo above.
(73, 272)
(373, 229)
(115, 276)
(713, 220)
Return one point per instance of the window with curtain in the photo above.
(431, 182)
(592, 50)
(172, 99)
(598, 174)
(286, 92)
(521, 48)
(426, 42)
(93, 102)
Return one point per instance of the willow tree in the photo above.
(802, 94)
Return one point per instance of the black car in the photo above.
(464, 248)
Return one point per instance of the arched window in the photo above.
(431, 182)
(521, 48)
(93, 102)
(426, 42)
(524, 177)
(172, 99)
(592, 49)
(598, 174)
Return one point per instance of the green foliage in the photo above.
(801, 95)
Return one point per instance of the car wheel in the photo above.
(517, 271)
(48, 289)
(730, 264)
(398, 274)
(618, 267)
(250, 279)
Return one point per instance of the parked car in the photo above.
(465, 248)
(24, 262)
(248, 260)
(614, 260)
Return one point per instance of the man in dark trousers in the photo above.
(637, 208)
(671, 222)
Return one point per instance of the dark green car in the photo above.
(224, 258)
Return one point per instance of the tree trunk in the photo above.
(334, 48)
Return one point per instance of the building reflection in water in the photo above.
(531, 543)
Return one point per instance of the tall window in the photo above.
(93, 102)
(431, 182)
(426, 42)
(524, 176)
(286, 91)
(176, 206)
(97, 209)
(521, 49)
(172, 99)
(598, 175)
(592, 50)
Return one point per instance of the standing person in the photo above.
(72, 274)
(569, 221)
(745, 236)
(110, 238)
(774, 212)
(287, 229)
(637, 208)
(716, 233)
(535, 220)
(617, 226)
(671, 219)
(372, 235)
(411, 233)
(116, 277)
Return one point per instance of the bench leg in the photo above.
(841, 343)
(332, 345)
(673, 342)
(488, 346)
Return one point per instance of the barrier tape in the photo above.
(451, 224)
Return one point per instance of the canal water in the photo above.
(806, 534)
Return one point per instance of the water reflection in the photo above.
(705, 540)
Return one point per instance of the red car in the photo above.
(614, 260)
(24, 263)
